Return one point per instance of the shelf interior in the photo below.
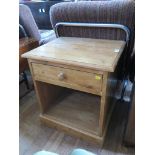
(76, 109)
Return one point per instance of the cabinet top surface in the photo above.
(96, 54)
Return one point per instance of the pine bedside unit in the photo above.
(74, 79)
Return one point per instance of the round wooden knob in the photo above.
(61, 76)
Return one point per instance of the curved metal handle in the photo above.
(101, 25)
(61, 76)
(23, 30)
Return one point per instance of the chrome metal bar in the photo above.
(101, 25)
(23, 30)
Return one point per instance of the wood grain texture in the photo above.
(83, 115)
(87, 136)
(34, 136)
(25, 45)
(84, 81)
(74, 67)
(88, 53)
(75, 116)
(107, 102)
(37, 90)
(109, 88)
(46, 97)
(48, 94)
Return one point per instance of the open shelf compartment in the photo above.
(70, 108)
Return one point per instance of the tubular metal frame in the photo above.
(97, 25)
(100, 25)
(23, 30)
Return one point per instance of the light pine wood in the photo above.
(87, 65)
(84, 135)
(74, 117)
(34, 136)
(48, 94)
(74, 67)
(109, 86)
(78, 80)
(88, 53)
(36, 89)
(102, 105)
(83, 115)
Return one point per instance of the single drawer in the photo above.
(79, 80)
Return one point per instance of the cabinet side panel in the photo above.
(107, 100)
(46, 93)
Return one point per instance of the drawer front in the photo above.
(79, 80)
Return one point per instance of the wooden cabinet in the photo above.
(69, 78)
(25, 44)
(75, 80)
